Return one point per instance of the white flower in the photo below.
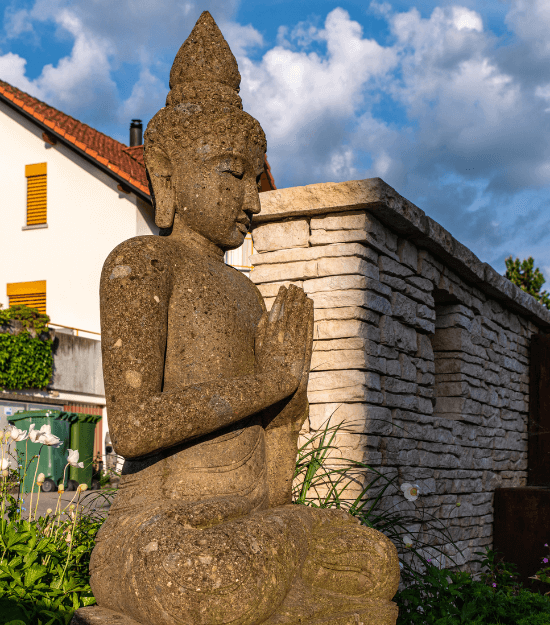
(5, 464)
(407, 541)
(47, 438)
(73, 459)
(18, 435)
(40, 479)
(411, 491)
(34, 435)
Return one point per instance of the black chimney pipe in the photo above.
(136, 133)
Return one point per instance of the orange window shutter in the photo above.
(37, 206)
(31, 294)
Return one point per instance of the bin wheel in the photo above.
(72, 485)
(49, 486)
(95, 485)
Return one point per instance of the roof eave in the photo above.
(65, 139)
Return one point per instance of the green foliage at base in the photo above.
(30, 318)
(44, 575)
(528, 278)
(26, 359)
(41, 582)
(444, 597)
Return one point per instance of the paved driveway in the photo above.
(95, 502)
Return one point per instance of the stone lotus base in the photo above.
(94, 615)
(379, 615)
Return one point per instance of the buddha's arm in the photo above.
(135, 293)
(284, 420)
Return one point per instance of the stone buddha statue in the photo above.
(206, 395)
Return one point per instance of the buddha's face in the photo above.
(216, 191)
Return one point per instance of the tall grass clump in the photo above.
(429, 594)
(325, 481)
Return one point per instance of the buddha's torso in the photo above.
(212, 318)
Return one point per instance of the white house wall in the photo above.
(87, 218)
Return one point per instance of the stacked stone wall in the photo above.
(429, 373)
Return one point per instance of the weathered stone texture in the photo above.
(206, 392)
(420, 347)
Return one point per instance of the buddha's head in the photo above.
(203, 153)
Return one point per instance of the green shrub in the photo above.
(44, 562)
(444, 597)
(43, 577)
(26, 358)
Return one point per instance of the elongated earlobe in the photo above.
(159, 174)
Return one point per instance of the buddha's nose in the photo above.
(252, 199)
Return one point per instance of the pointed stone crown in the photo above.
(204, 68)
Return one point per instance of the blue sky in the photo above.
(448, 102)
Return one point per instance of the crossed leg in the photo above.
(280, 566)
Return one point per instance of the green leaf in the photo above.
(34, 573)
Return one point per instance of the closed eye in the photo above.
(232, 165)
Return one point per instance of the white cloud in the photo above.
(241, 38)
(464, 19)
(298, 94)
(84, 76)
(467, 135)
(530, 19)
(17, 22)
(105, 36)
(12, 70)
(147, 92)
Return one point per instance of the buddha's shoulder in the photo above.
(140, 256)
(244, 284)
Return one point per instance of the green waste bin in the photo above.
(82, 439)
(52, 460)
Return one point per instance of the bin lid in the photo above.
(30, 414)
(82, 417)
(55, 414)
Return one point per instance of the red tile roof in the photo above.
(125, 162)
(100, 147)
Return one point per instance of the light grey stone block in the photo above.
(408, 254)
(425, 349)
(408, 369)
(348, 298)
(344, 328)
(347, 312)
(314, 253)
(403, 308)
(405, 337)
(346, 359)
(392, 267)
(326, 380)
(282, 235)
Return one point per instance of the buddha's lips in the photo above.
(243, 226)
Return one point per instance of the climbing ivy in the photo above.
(30, 318)
(26, 358)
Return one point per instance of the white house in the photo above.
(70, 194)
